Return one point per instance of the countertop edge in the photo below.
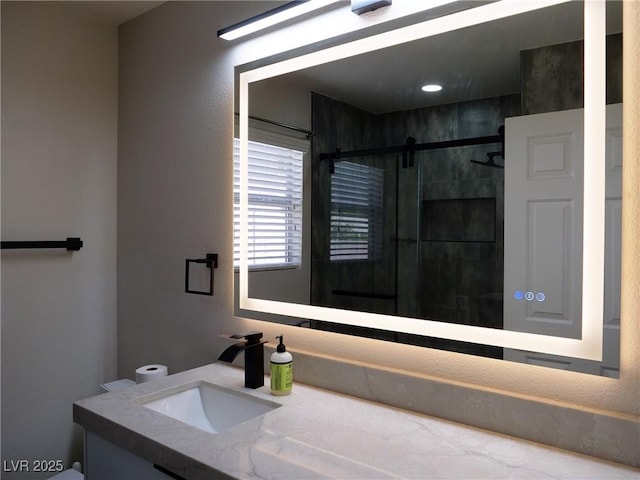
(615, 438)
(144, 446)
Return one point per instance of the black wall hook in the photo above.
(211, 262)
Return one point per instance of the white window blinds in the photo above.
(357, 196)
(275, 205)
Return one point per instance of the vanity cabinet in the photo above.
(105, 461)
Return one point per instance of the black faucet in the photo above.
(253, 357)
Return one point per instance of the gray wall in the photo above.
(175, 171)
(59, 115)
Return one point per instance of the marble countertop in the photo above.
(322, 434)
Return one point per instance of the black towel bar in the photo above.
(71, 244)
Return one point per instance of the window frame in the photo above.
(368, 202)
(275, 139)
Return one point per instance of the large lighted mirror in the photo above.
(483, 217)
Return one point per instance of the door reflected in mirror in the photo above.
(462, 206)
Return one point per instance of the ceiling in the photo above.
(113, 12)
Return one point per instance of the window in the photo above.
(357, 195)
(275, 205)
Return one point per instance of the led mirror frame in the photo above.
(589, 346)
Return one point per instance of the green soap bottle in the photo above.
(281, 370)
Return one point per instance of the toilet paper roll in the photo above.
(149, 372)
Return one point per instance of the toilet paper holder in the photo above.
(211, 262)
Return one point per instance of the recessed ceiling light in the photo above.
(432, 87)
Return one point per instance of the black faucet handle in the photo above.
(251, 337)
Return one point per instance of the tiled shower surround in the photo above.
(448, 212)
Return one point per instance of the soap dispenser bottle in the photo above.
(281, 370)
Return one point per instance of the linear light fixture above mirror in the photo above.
(363, 6)
(294, 9)
(272, 17)
(589, 346)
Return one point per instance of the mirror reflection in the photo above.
(460, 205)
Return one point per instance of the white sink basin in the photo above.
(209, 407)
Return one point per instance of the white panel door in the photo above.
(543, 223)
(543, 247)
(610, 365)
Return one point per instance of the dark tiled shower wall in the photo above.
(459, 274)
(454, 280)
(552, 77)
(339, 125)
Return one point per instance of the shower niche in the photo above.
(466, 220)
